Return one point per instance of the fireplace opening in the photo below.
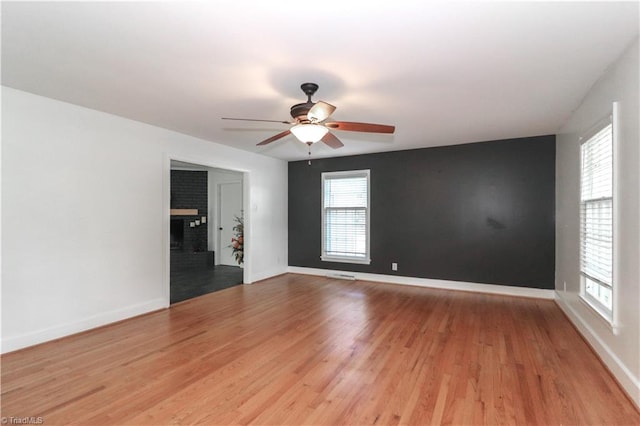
(177, 234)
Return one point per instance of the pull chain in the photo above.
(309, 147)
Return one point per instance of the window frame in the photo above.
(609, 315)
(366, 260)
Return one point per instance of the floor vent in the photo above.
(342, 276)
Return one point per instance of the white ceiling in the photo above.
(441, 72)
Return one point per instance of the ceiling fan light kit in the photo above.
(309, 132)
(310, 126)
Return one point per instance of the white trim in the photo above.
(18, 342)
(166, 226)
(363, 261)
(323, 249)
(623, 375)
(617, 229)
(265, 275)
(248, 230)
(601, 312)
(432, 283)
(246, 202)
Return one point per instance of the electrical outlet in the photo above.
(394, 266)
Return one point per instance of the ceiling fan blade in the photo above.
(255, 119)
(331, 140)
(274, 138)
(360, 127)
(320, 112)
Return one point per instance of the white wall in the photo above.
(620, 350)
(85, 215)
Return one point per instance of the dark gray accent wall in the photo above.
(189, 191)
(481, 212)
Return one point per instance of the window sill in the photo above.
(346, 260)
(600, 313)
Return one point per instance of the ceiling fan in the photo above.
(310, 125)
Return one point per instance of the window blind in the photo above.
(596, 216)
(345, 215)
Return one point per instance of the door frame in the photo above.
(166, 216)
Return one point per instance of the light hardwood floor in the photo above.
(309, 350)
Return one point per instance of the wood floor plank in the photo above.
(313, 350)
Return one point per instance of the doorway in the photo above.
(199, 263)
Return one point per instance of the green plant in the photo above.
(237, 242)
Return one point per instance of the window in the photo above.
(345, 217)
(596, 220)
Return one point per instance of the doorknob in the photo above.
(220, 228)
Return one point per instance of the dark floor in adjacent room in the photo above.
(188, 283)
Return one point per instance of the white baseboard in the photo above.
(267, 274)
(623, 375)
(432, 283)
(14, 343)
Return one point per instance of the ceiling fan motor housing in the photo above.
(299, 111)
